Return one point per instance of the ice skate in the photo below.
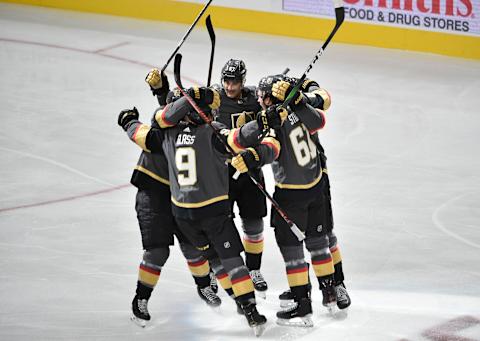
(259, 283)
(209, 296)
(286, 298)
(298, 314)
(343, 299)
(213, 282)
(329, 296)
(140, 311)
(255, 320)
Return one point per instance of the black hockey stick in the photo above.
(293, 227)
(211, 33)
(339, 17)
(186, 35)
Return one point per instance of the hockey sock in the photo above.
(148, 275)
(143, 291)
(242, 284)
(300, 292)
(253, 260)
(339, 277)
(200, 271)
(253, 245)
(322, 263)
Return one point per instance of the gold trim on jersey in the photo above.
(327, 99)
(272, 142)
(232, 141)
(305, 186)
(152, 175)
(199, 204)
(161, 120)
(306, 83)
(140, 136)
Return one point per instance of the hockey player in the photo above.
(157, 225)
(238, 106)
(320, 98)
(298, 190)
(199, 182)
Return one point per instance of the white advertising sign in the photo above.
(449, 16)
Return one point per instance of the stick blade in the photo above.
(211, 32)
(176, 70)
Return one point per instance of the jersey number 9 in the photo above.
(185, 161)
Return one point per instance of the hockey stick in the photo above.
(293, 227)
(339, 17)
(211, 33)
(186, 35)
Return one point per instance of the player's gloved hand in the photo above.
(246, 160)
(158, 82)
(281, 90)
(271, 118)
(174, 95)
(126, 116)
(205, 96)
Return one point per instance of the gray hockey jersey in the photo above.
(298, 165)
(236, 112)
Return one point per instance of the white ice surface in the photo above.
(402, 138)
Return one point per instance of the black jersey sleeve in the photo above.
(313, 119)
(148, 138)
(316, 96)
(172, 113)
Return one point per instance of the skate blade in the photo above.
(261, 294)
(258, 329)
(138, 321)
(341, 314)
(286, 303)
(332, 309)
(302, 322)
(215, 308)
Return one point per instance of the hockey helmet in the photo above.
(264, 88)
(234, 69)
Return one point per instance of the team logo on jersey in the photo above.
(226, 245)
(239, 119)
(319, 228)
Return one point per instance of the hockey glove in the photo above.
(126, 116)
(282, 89)
(205, 96)
(246, 160)
(158, 82)
(272, 118)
